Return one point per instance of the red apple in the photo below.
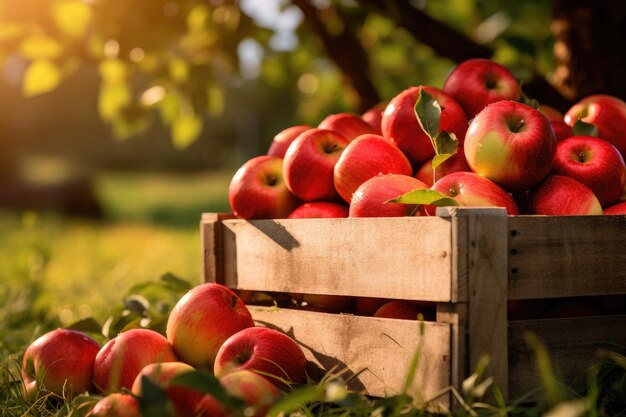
(594, 162)
(269, 352)
(400, 125)
(374, 116)
(258, 190)
(476, 83)
(283, 139)
(370, 199)
(558, 195)
(319, 210)
(472, 190)
(561, 129)
(364, 158)
(607, 113)
(367, 306)
(121, 359)
(184, 399)
(399, 309)
(619, 208)
(309, 164)
(61, 361)
(456, 163)
(347, 125)
(116, 405)
(202, 320)
(512, 144)
(257, 392)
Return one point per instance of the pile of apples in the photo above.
(210, 329)
(473, 143)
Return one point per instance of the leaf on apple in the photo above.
(585, 129)
(153, 400)
(87, 325)
(425, 197)
(428, 113)
(532, 102)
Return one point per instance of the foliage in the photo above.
(179, 61)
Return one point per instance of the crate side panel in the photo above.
(408, 258)
(566, 256)
(572, 343)
(376, 352)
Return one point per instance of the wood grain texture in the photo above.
(573, 345)
(377, 352)
(405, 258)
(211, 245)
(566, 256)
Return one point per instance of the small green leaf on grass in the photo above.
(89, 325)
(428, 113)
(585, 129)
(423, 196)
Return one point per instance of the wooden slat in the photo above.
(377, 352)
(566, 256)
(212, 246)
(572, 343)
(406, 258)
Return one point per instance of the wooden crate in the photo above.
(469, 261)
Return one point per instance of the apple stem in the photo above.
(271, 181)
(519, 126)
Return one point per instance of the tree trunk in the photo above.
(589, 42)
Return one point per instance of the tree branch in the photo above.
(347, 53)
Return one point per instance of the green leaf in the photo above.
(176, 282)
(42, 76)
(88, 324)
(440, 159)
(72, 16)
(206, 383)
(445, 143)
(585, 129)
(137, 304)
(186, 128)
(424, 196)
(112, 99)
(153, 401)
(296, 399)
(37, 47)
(428, 113)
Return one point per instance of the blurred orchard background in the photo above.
(122, 121)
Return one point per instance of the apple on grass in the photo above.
(116, 405)
(319, 210)
(258, 190)
(476, 83)
(372, 197)
(400, 125)
(283, 139)
(202, 320)
(510, 143)
(364, 158)
(595, 163)
(559, 195)
(268, 352)
(309, 163)
(120, 360)
(606, 113)
(468, 189)
(348, 125)
(257, 392)
(61, 361)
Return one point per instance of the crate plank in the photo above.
(573, 344)
(406, 258)
(377, 352)
(566, 256)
